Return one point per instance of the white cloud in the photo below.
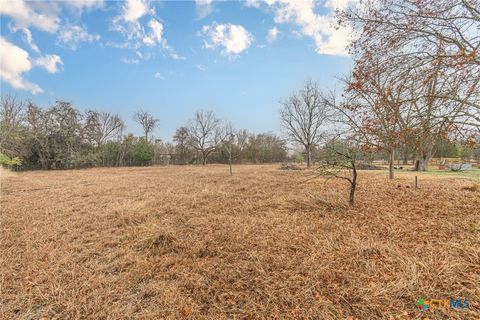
(132, 31)
(204, 8)
(25, 15)
(257, 3)
(134, 10)
(130, 61)
(127, 22)
(328, 40)
(272, 34)
(137, 34)
(339, 4)
(201, 67)
(50, 62)
(143, 56)
(176, 56)
(139, 54)
(27, 37)
(252, 3)
(80, 4)
(233, 38)
(70, 36)
(13, 64)
(158, 75)
(155, 36)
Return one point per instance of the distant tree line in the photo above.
(61, 136)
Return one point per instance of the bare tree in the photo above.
(103, 126)
(12, 114)
(432, 117)
(430, 32)
(39, 128)
(376, 93)
(147, 121)
(303, 114)
(183, 150)
(428, 28)
(241, 139)
(340, 161)
(228, 143)
(204, 133)
(65, 133)
(264, 148)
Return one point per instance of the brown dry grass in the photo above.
(192, 242)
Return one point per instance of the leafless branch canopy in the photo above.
(205, 133)
(303, 115)
(147, 121)
(103, 126)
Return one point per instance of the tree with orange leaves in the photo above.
(417, 72)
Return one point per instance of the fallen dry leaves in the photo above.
(193, 242)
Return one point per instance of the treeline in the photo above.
(61, 137)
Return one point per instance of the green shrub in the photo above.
(7, 161)
(298, 157)
(143, 151)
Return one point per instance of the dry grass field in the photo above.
(193, 242)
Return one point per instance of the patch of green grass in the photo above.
(473, 174)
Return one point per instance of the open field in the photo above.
(192, 242)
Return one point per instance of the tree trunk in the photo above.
(230, 163)
(391, 172)
(353, 186)
(309, 156)
(44, 163)
(421, 163)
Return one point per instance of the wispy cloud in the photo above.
(158, 75)
(155, 36)
(27, 38)
(203, 7)
(71, 36)
(130, 61)
(86, 4)
(272, 34)
(201, 67)
(51, 62)
(137, 33)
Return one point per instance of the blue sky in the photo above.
(237, 58)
